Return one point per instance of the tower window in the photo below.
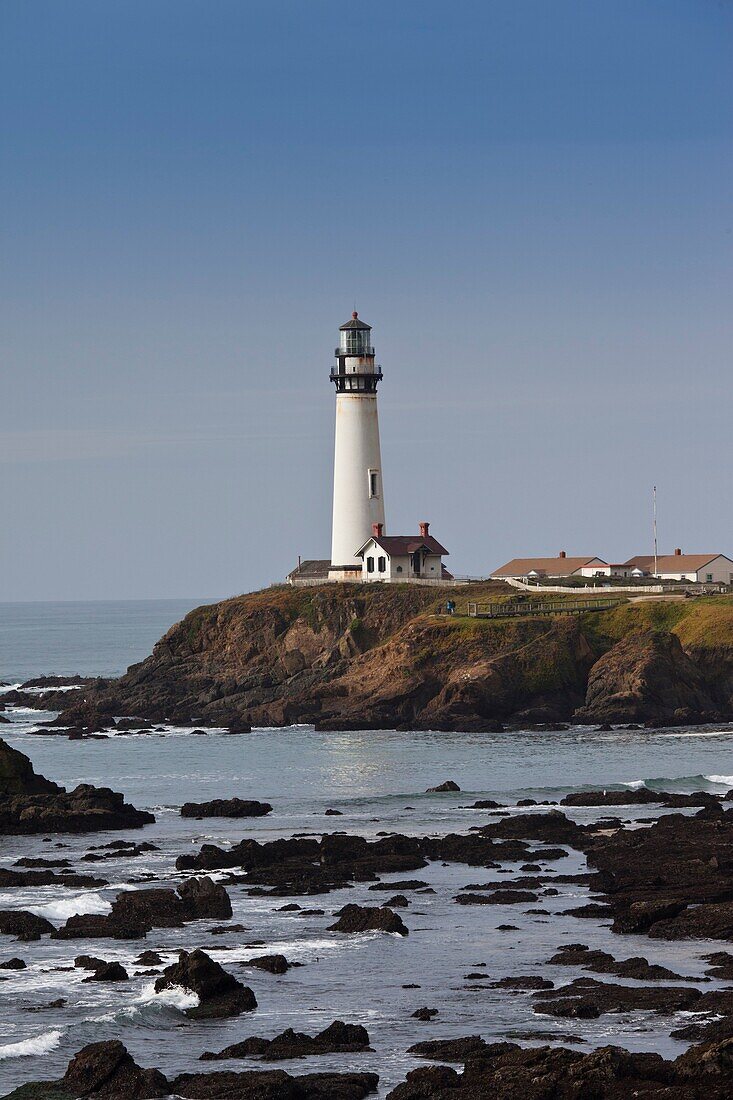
(382, 565)
(374, 483)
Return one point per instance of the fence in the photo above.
(513, 610)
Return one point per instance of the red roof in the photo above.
(399, 545)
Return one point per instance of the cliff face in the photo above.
(381, 656)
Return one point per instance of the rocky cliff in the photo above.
(383, 656)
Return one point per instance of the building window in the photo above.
(382, 565)
(374, 483)
(370, 565)
(399, 570)
(709, 577)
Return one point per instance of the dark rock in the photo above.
(443, 788)
(450, 1050)
(398, 901)
(149, 958)
(10, 879)
(425, 1014)
(365, 918)
(505, 1071)
(25, 926)
(586, 998)
(552, 828)
(636, 797)
(226, 807)
(135, 912)
(721, 965)
(13, 964)
(401, 884)
(202, 898)
(274, 964)
(529, 982)
(89, 962)
(35, 805)
(108, 972)
(498, 897)
(274, 1085)
(600, 962)
(107, 1070)
(337, 1038)
(333, 813)
(220, 994)
(17, 777)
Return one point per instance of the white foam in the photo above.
(82, 904)
(634, 784)
(175, 996)
(723, 780)
(40, 1044)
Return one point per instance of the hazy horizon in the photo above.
(529, 203)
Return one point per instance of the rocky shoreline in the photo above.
(668, 879)
(385, 657)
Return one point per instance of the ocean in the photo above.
(378, 781)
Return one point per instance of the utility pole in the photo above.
(655, 530)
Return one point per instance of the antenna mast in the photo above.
(655, 530)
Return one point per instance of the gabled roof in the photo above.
(641, 561)
(684, 563)
(355, 323)
(553, 567)
(399, 545)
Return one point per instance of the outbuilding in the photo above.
(700, 568)
(559, 567)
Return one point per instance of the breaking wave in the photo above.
(682, 784)
(39, 1044)
(82, 904)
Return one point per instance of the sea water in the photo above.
(378, 781)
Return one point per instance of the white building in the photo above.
(358, 490)
(559, 567)
(402, 557)
(701, 568)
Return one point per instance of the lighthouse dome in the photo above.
(355, 323)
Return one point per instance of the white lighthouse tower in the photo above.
(358, 494)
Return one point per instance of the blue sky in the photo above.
(529, 201)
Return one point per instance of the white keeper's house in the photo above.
(402, 557)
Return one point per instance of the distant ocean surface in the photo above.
(99, 638)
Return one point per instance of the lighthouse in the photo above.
(358, 491)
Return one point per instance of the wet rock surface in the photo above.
(220, 994)
(505, 1071)
(32, 804)
(226, 807)
(337, 1038)
(134, 913)
(366, 918)
(587, 998)
(107, 1071)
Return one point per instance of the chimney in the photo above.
(424, 530)
(563, 554)
(377, 530)
(678, 553)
